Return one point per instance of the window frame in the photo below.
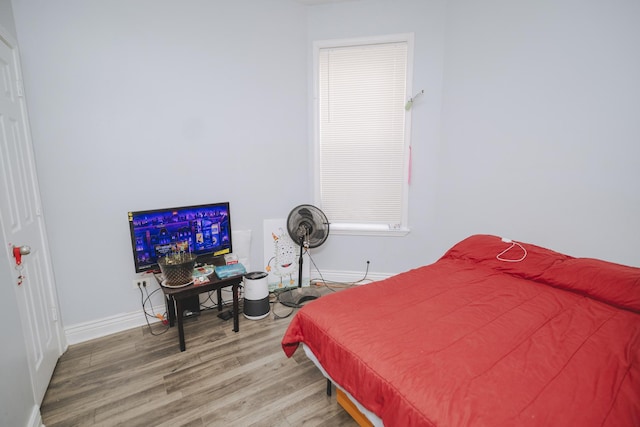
(363, 228)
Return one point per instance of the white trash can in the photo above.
(256, 295)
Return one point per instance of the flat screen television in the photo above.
(204, 230)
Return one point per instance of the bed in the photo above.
(494, 333)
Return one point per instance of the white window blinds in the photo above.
(361, 133)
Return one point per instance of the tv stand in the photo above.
(175, 299)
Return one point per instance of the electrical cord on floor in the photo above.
(144, 302)
(333, 285)
(214, 304)
(274, 301)
(204, 306)
(223, 302)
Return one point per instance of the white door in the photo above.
(23, 225)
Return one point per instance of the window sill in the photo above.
(367, 230)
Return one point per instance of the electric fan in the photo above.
(308, 226)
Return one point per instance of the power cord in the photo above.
(333, 285)
(274, 296)
(223, 302)
(203, 305)
(274, 301)
(513, 244)
(144, 302)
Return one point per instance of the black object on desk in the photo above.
(175, 299)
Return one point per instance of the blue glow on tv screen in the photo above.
(204, 230)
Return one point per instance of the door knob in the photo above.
(18, 251)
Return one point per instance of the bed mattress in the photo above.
(472, 340)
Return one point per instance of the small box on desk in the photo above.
(225, 271)
(230, 259)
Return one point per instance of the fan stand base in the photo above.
(297, 297)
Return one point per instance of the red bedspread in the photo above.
(474, 341)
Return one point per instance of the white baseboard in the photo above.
(98, 328)
(109, 325)
(35, 419)
(348, 276)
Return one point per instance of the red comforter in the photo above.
(474, 341)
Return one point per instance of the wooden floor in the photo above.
(134, 378)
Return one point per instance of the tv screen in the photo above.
(204, 230)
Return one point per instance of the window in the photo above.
(361, 133)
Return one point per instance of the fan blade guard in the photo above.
(308, 221)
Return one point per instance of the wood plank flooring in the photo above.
(134, 378)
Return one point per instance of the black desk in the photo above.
(175, 296)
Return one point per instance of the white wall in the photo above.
(150, 104)
(540, 125)
(528, 126)
(541, 130)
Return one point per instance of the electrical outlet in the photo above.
(140, 283)
(145, 280)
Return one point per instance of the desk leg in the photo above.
(236, 307)
(171, 310)
(219, 292)
(180, 324)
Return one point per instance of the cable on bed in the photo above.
(513, 244)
